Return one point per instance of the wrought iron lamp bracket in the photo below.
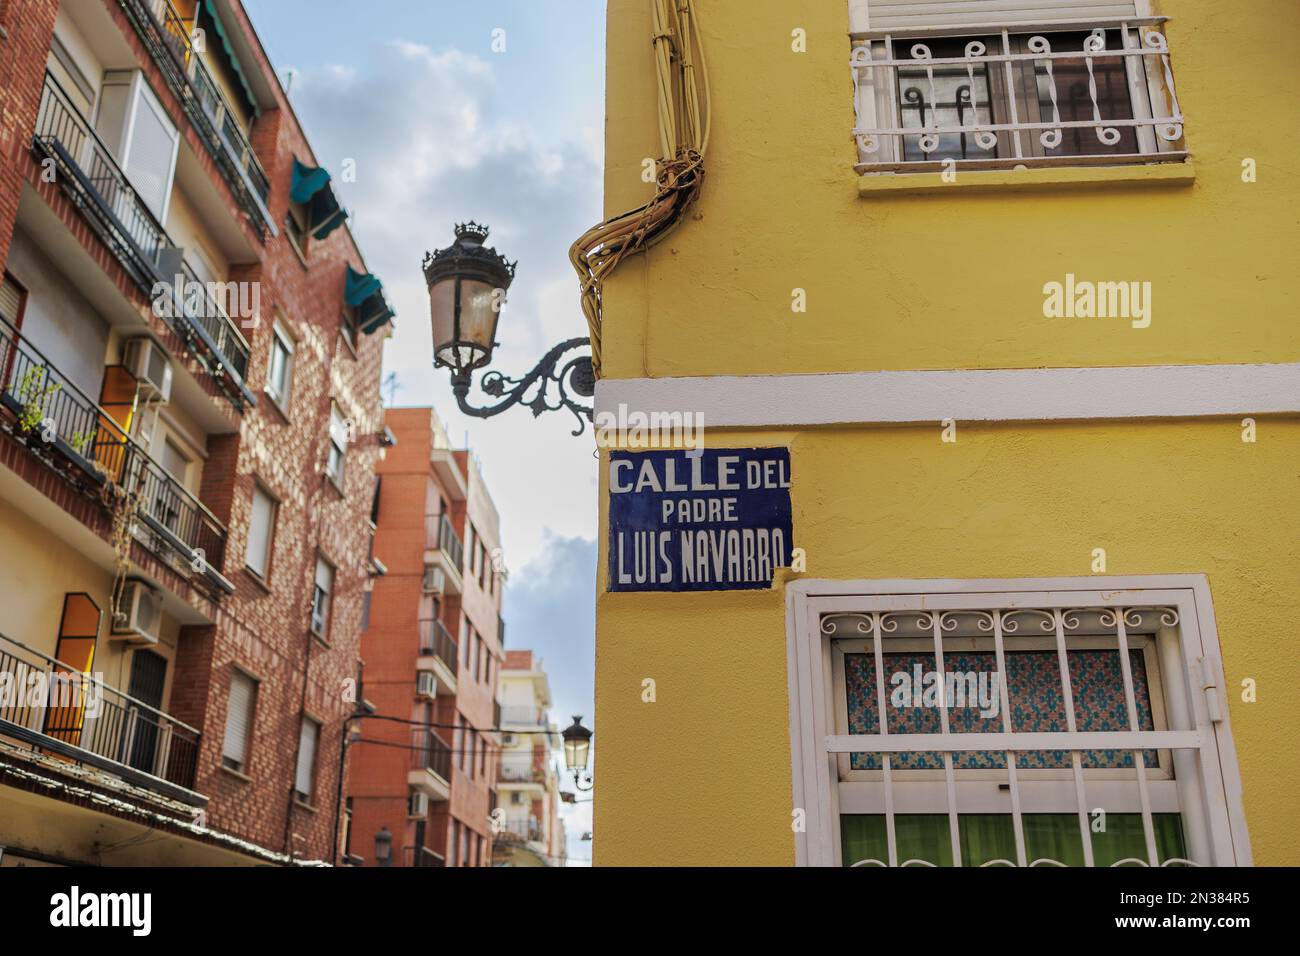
(534, 389)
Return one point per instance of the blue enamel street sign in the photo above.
(715, 519)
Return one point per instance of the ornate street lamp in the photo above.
(577, 748)
(467, 288)
(384, 846)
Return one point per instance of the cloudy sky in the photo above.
(444, 126)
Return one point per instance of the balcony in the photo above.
(167, 37)
(521, 771)
(1003, 95)
(443, 549)
(421, 856)
(438, 653)
(447, 470)
(86, 721)
(76, 438)
(523, 718)
(520, 831)
(430, 765)
(90, 176)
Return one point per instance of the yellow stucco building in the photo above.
(1014, 283)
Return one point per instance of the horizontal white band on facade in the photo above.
(1016, 742)
(1032, 394)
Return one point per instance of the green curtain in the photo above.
(991, 836)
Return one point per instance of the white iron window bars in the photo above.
(1165, 760)
(1070, 92)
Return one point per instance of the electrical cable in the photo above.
(683, 102)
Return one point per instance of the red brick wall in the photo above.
(261, 629)
(29, 27)
(390, 648)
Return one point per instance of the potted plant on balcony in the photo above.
(35, 393)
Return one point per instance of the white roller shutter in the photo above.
(11, 300)
(260, 527)
(307, 741)
(239, 720)
(914, 14)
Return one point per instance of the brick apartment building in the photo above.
(185, 486)
(424, 766)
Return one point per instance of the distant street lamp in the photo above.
(384, 846)
(577, 748)
(467, 287)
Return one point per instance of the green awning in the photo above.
(311, 187)
(365, 293)
(233, 60)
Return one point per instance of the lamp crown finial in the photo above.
(473, 233)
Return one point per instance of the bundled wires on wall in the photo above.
(682, 93)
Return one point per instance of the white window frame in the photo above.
(306, 764)
(337, 444)
(254, 684)
(323, 630)
(875, 90)
(140, 94)
(264, 572)
(283, 340)
(815, 745)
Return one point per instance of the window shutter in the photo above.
(151, 154)
(239, 718)
(912, 14)
(324, 576)
(259, 532)
(306, 756)
(11, 299)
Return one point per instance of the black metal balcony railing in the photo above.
(436, 641)
(428, 752)
(167, 37)
(85, 720)
(440, 535)
(64, 427)
(90, 174)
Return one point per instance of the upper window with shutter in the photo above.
(305, 776)
(322, 592)
(12, 296)
(1010, 83)
(132, 122)
(261, 531)
(239, 722)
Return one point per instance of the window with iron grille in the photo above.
(1005, 83)
(985, 724)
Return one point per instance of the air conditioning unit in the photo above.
(507, 740)
(434, 580)
(418, 804)
(138, 615)
(426, 684)
(145, 359)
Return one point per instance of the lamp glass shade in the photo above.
(463, 342)
(577, 745)
(576, 752)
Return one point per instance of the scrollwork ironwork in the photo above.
(534, 390)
